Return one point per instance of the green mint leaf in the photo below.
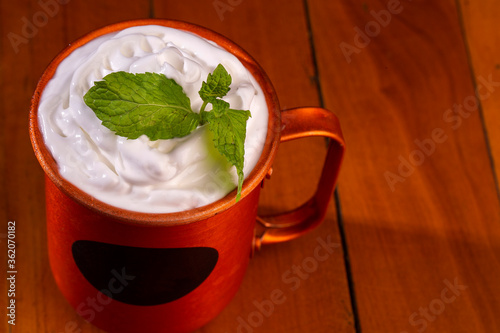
(150, 104)
(217, 85)
(135, 104)
(228, 128)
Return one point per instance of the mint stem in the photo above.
(203, 106)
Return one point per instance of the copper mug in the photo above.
(127, 271)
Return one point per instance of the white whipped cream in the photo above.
(160, 176)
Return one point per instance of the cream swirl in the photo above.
(148, 176)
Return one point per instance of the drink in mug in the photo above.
(160, 176)
(150, 231)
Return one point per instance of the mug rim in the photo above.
(253, 180)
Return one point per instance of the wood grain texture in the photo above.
(405, 94)
(440, 221)
(480, 23)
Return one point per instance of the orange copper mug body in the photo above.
(127, 271)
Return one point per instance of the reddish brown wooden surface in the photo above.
(479, 17)
(442, 223)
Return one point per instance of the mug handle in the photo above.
(300, 123)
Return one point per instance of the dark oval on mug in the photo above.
(143, 276)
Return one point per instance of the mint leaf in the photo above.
(151, 104)
(228, 128)
(217, 85)
(135, 104)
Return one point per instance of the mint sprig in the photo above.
(151, 104)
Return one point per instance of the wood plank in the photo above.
(439, 224)
(275, 34)
(40, 305)
(22, 68)
(479, 19)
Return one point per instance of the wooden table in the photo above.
(415, 225)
